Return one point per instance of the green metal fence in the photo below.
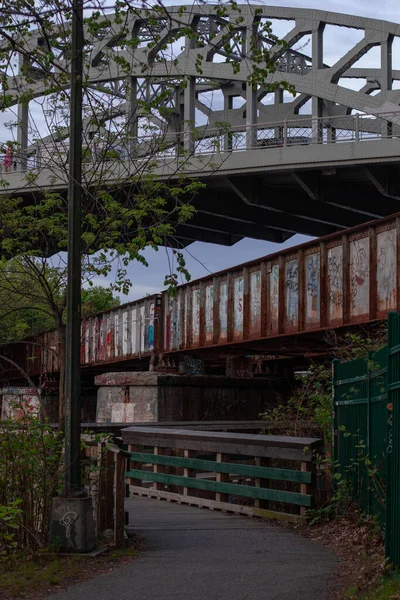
(366, 448)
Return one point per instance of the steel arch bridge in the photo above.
(315, 163)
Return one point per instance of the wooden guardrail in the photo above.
(253, 426)
(105, 484)
(256, 475)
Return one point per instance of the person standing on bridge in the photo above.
(7, 162)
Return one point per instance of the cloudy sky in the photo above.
(203, 259)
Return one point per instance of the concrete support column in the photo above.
(251, 94)
(317, 63)
(386, 79)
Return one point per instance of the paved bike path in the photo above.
(198, 554)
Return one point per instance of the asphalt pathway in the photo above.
(198, 554)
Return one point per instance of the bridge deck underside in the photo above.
(275, 205)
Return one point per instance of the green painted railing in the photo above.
(202, 468)
(366, 441)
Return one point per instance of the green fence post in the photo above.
(335, 432)
(392, 450)
(368, 431)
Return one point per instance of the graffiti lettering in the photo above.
(386, 270)
(292, 277)
(335, 280)
(191, 366)
(359, 273)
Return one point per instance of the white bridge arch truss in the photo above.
(322, 103)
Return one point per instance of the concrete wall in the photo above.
(152, 397)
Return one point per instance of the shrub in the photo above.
(30, 475)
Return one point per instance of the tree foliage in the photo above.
(32, 298)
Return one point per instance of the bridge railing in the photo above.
(209, 140)
(256, 475)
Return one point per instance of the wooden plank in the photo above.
(132, 448)
(248, 451)
(222, 476)
(223, 467)
(290, 448)
(261, 482)
(213, 505)
(236, 438)
(157, 467)
(304, 487)
(186, 471)
(119, 521)
(227, 488)
(105, 516)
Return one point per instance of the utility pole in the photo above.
(72, 523)
(72, 480)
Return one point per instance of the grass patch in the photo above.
(43, 574)
(385, 589)
(38, 572)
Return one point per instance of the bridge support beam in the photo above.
(251, 93)
(386, 78)
(317, 63)
(189, 114)
(228, 105)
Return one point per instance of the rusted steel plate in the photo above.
(386, 270)
(313, 289)
(359, 276)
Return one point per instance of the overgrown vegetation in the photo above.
(309, 409)
(30, 475)
(45, 573)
